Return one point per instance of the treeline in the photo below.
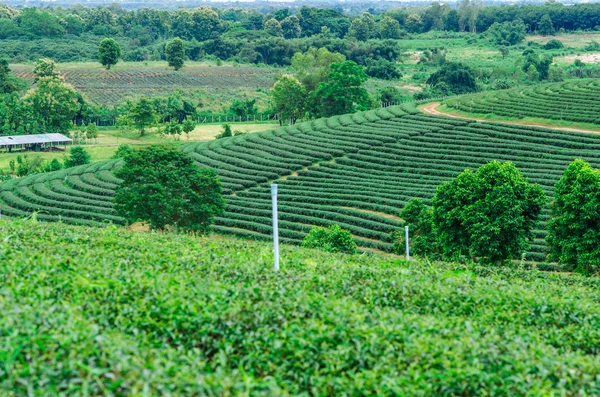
(252, 36)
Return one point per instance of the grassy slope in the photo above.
(106, 311)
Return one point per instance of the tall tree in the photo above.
(8, 82)
(344, 91)
(164, 187)
(545, 26)
(175, 52)
(273, 27)
(289, 98)
(53, 105)
(142, 114)
(109, 52)
(487, 214)
(574, 229)
(44, 67)
(291, 27)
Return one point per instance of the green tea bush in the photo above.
(331, 239)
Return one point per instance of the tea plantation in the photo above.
(105, 311)
(356, 171)
(578, 102)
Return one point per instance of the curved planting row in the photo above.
(353, 170)
(577, 101)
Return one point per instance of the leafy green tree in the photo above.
(419, 219)
(52, 105)
(164, 187)
(383, 69)
(8, 82)
(312, 67)
(173, 128)
(487, 214)
(273, 27)
(363, 27)
(504, 51)
(78, 156)
(243, 108)
(507, 33)
(122, 151)
(91, 131)
(109, 52)
(545, 26)
(290, 27)
(344, 91)
(390, 28)
(142, 114)
(188, 126)
(54, 165)
(44, 67)
(553, 45)
(541, 65)
(457, 77)
(331, 239)
(574, 229)
(175, 52)
(289, 98)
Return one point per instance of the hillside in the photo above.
(578, 102)
(107, 87)
(104, 311)
(353, 170)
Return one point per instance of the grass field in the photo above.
(355, 170)
(90, 311)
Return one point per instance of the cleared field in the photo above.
(106, 87)
(353, 170)
(578, 102)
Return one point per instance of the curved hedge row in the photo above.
(578, 101)
(353, 170)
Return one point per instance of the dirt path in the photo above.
(432, 108)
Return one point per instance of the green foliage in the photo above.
(109, 52)
(488, 214)
(331, 239)
(540, 65)
(188, 126)
(91, 131)
(226, 133)
(175, 53)
(343, 92)
(553, 45)
(574, 230)
(123, 150)
(383, 69)
(142, 114)
(289, 98)
(8, 82)
(507, 33)
(162, 186)
(50, 107)
(545, 26)
(44, 67)
(180, 305)
(243, 108)
(78, 156)
(457, 77)
(419, 219)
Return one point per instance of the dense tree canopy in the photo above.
(109, 53)
(487, 214)
(574, 229)
(165, 188)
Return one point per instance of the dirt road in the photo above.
(432, 108)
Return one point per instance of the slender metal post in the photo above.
(275, 227)
(406, 238)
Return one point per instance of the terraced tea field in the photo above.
(578, 102)
(353, 170)
(106, 87)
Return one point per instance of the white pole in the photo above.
(406, 238)
(275, 226)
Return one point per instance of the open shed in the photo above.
(33, 142)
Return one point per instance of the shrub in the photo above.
(332, 239)
(79, 156)
(553, 45)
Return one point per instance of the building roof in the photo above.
(32, 139)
